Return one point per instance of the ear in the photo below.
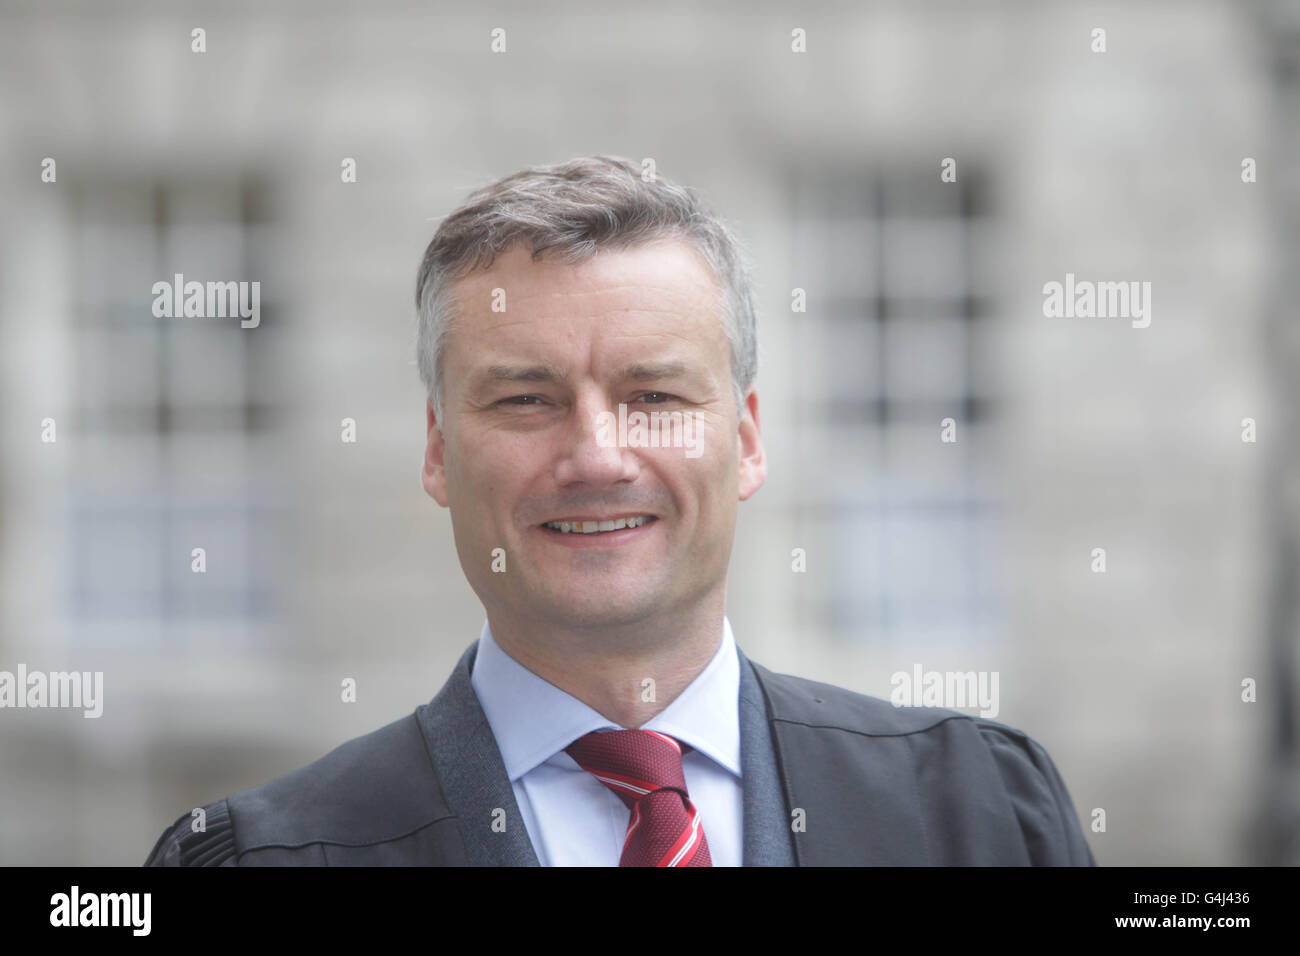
(433, 475)
(753, 466)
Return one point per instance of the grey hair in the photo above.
(573, 209)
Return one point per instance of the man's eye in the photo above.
(657, 398)
(520, 400)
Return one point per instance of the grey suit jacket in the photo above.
(830, 777)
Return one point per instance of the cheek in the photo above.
(497, 477)
(472, 480)
(704, 482)
(477, 460)
(720, 468)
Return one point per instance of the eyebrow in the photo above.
(550, 374)
(647, 371)
(521, 373)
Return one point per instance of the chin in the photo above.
(596, 611)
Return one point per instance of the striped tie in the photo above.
(645, 769)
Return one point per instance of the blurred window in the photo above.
(887, 349)
(167, 413)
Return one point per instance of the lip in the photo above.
(625, 514)
(607, 539)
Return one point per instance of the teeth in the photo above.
(596, 527)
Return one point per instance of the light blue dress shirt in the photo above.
(571, 817)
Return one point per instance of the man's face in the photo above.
(521, 443)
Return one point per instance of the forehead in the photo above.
(665, 287)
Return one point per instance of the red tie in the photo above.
(645, 769)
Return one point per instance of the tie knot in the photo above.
(632, 763)
(644, 768)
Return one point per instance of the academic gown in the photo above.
(830, 778)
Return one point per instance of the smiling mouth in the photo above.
(580, 526)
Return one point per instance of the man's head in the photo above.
(553, 297)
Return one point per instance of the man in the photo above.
(587, 342)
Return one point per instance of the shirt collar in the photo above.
(533, 720)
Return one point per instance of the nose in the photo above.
(591, 453)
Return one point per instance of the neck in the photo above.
(610, 669)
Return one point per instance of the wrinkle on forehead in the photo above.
(640, 283)
(654, 269)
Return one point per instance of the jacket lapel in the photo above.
(474, 781)
(767, 834)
